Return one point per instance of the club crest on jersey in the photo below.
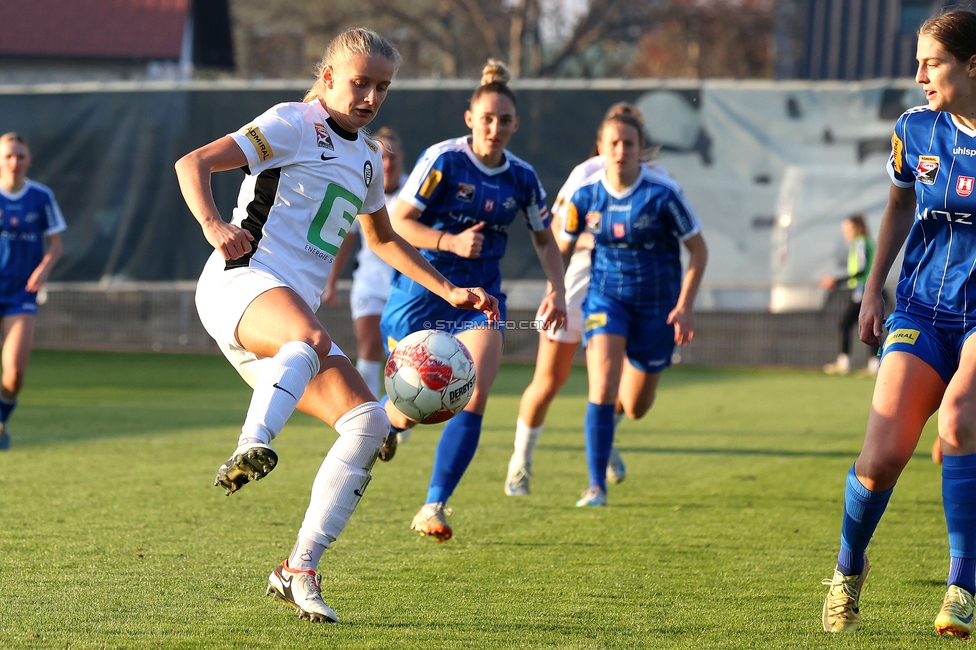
(322, 138)
(927, 170)
(489, 205)
(964, 185)
(619, 230)
(510, 203)
(593, 220)
(368, 172)
(465, 192)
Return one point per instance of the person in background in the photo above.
(859, 258)
(30, 244)
(457, 207)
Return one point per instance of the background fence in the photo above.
(162, 317)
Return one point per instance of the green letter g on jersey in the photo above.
(337, 212)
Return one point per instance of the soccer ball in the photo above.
(429, 376)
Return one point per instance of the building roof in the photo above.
(93, 29)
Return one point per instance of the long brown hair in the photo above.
(954, 30)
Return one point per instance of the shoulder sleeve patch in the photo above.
(431, 183)
(260, 142)
(369, 143)
(897, 148)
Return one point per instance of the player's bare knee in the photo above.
(13, 381)
(321, 342)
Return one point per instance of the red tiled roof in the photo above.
(109, 29)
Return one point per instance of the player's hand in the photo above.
(232, 242)
(477, 299)
(684, 325)
(330, 296)
(37, 279)
(870, 322)
(466, 243)
(552, 311)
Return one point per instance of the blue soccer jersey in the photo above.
(637, 258)
(938, 157)
(25, 219)
(454, 191)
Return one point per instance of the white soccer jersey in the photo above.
(372, 275)
(307, 179)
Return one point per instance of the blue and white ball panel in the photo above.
(650, 339)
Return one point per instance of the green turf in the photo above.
(113, 537)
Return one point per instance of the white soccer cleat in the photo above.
(517, 482)
(594, 496)
(250, 462)
(302, 591)
(432, 520)
(616, 470)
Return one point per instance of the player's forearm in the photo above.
(194, 179)
(417, 234)
(896, 223)
(398, 253)
(342, 257)
(551, 259)
(693, 276)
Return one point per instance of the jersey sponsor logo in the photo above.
(260, 142)
(903, 335)
(896, 151)
(963, 151)
(322, 138)
(927, 170)
(964, 185)
(594, 321)
(391, 342)
(593, 220)
(333, 219)
(369, 143)
(465, 192)
(489, 205)
(510, 203)
(619, 230)
(430, 184)
(368, 172)
(951, 217)
(31, 217)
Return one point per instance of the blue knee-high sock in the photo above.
(598, 427)
(455, 450)
(862, 512)
(959, 501)
(6, 408)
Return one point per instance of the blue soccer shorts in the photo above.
(22, 302)
(650, 339)
(938, 346)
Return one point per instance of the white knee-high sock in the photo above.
(526, 438)
(344, 475)
(281, 384)
(370, 370)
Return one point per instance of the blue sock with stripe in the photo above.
(455, 450)
(862, 512)
(598, 427)
(959, 501)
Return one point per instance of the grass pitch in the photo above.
(113, 537)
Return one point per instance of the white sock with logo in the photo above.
(526, 438)
(370, 371)
(344, 475)
(279, 387)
